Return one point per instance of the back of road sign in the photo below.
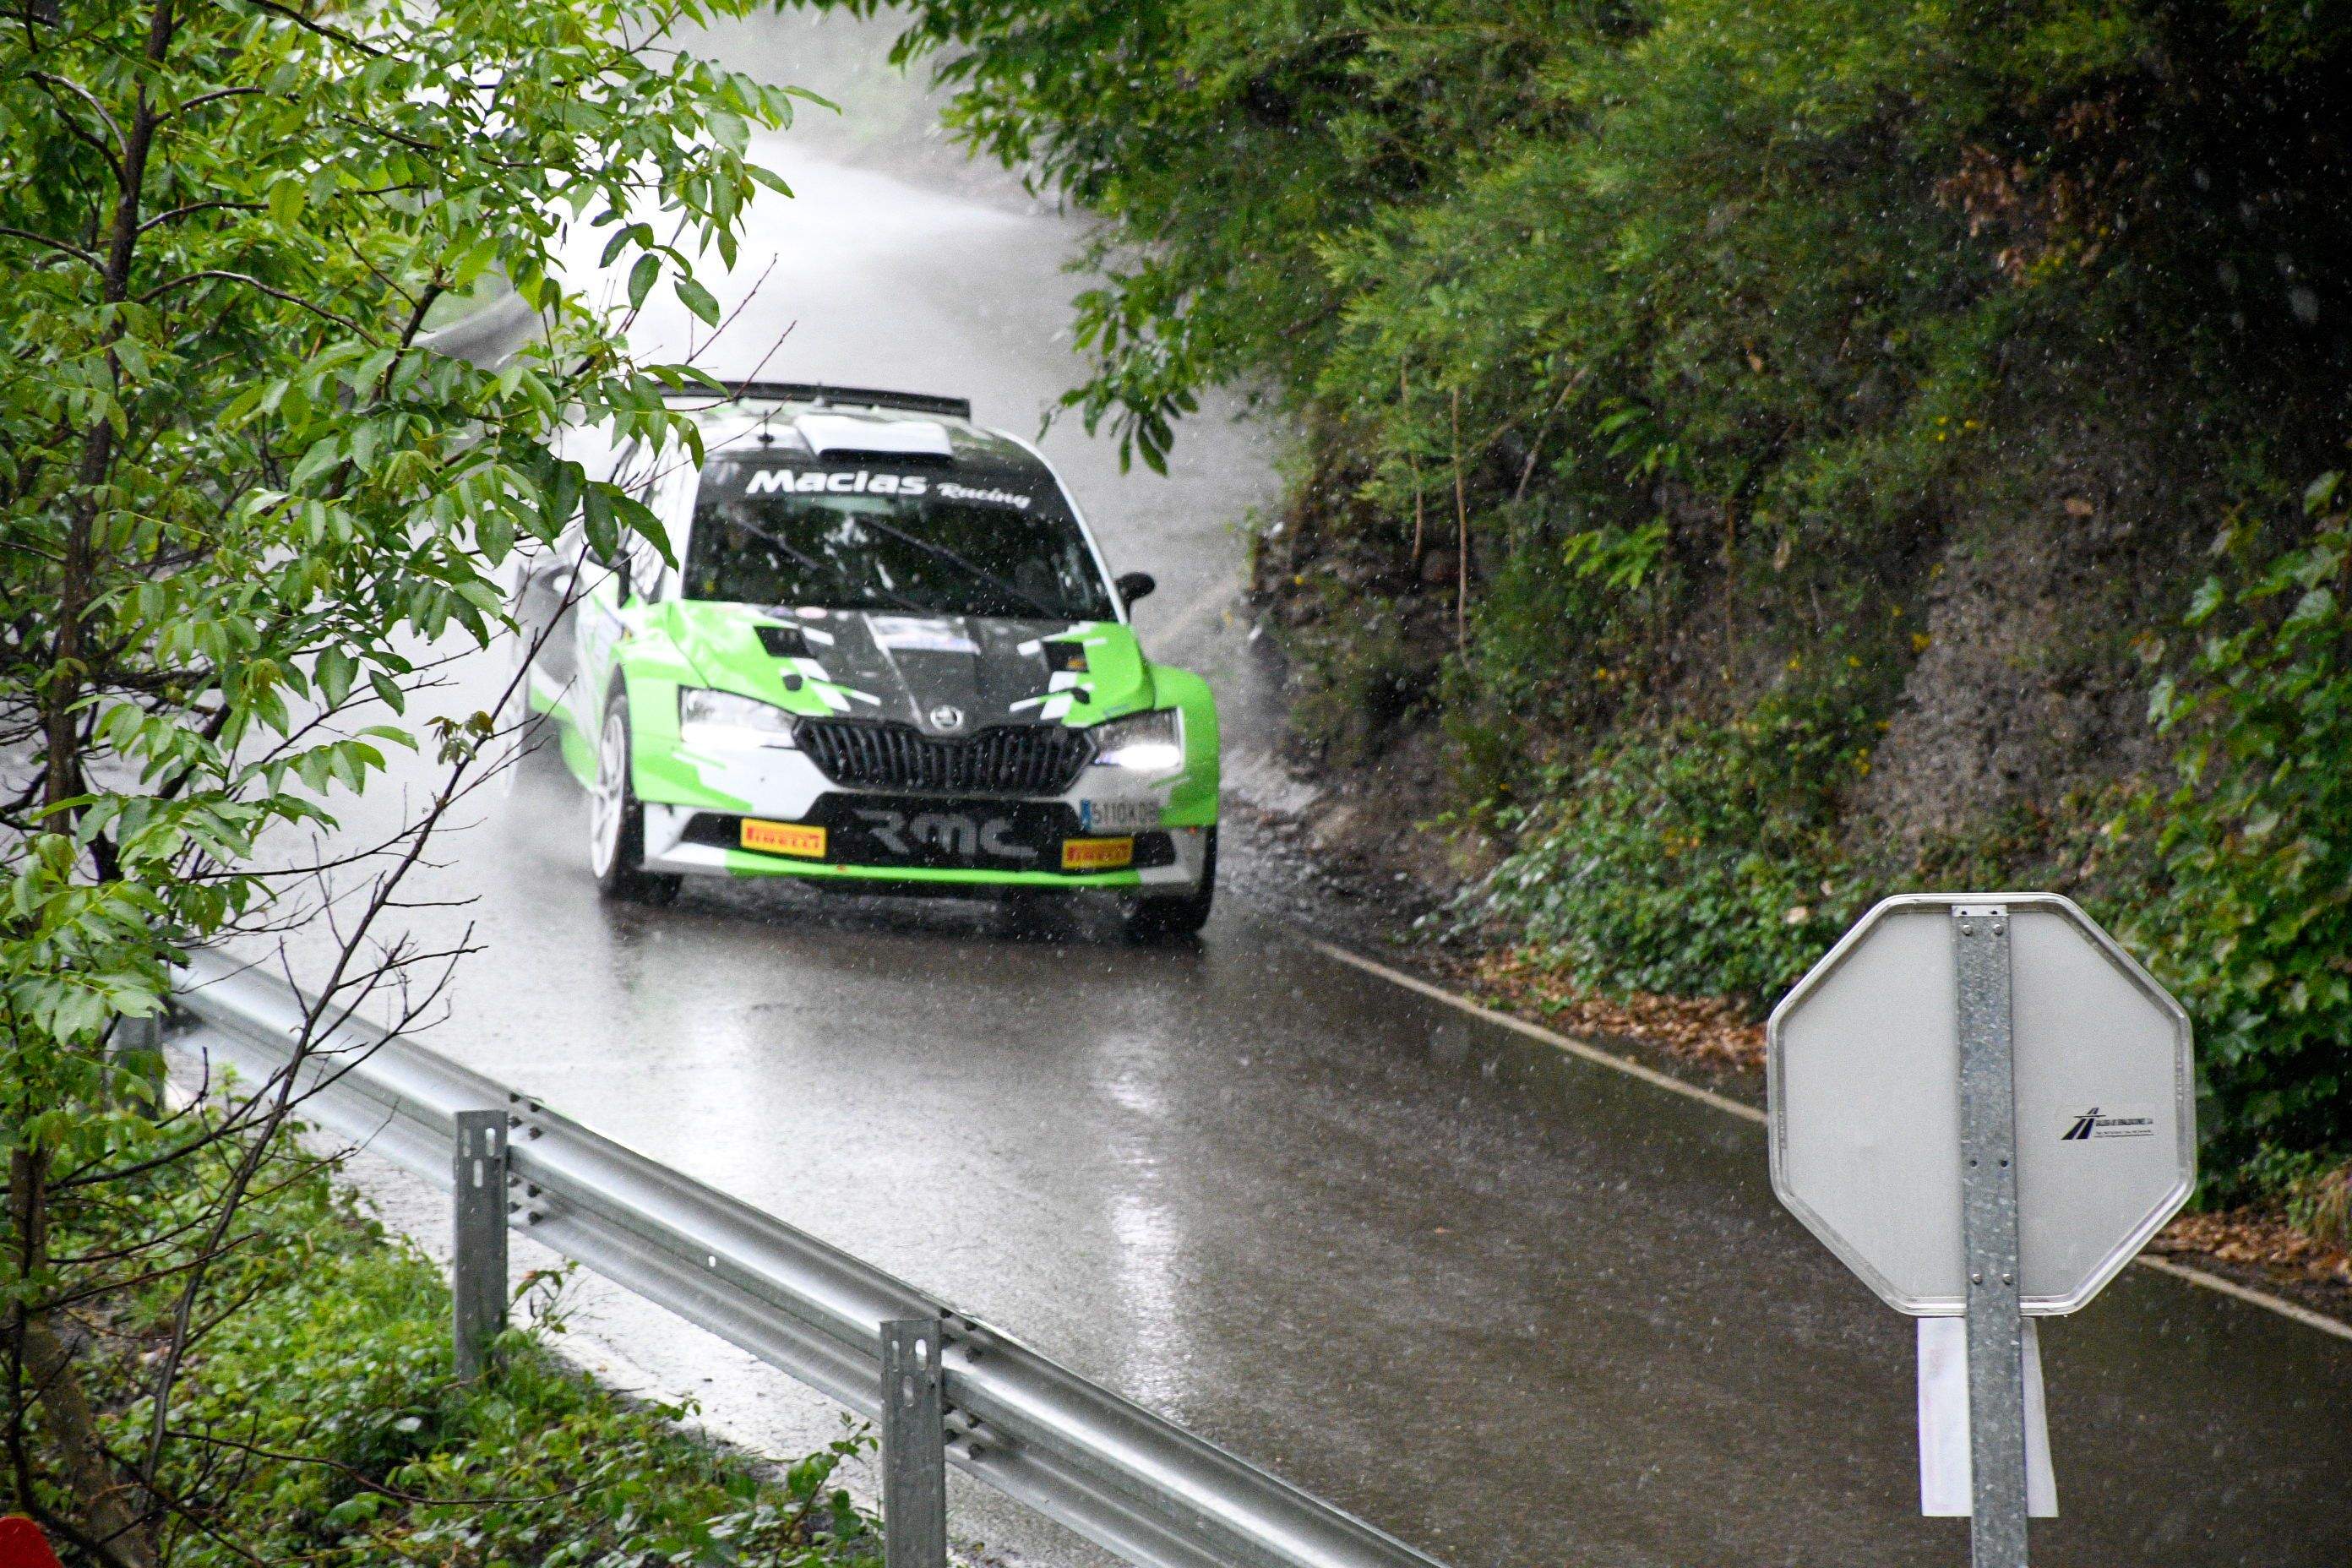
(1865, 1085)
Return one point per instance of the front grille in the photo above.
(1014, 760)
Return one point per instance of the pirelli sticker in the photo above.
(794, 839)
(1097, 854)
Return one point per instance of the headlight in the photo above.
(1146, 742)
(706, 716)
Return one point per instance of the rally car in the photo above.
(888, 658)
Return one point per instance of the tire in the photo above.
(616, 820)
(1181, 915)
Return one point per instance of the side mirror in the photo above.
(1134, 585)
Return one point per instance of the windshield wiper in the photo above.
(1051, 612)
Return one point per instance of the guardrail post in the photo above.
(479, 1236)
(914, 1446)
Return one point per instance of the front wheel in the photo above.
(1180, 914)
(616, 820)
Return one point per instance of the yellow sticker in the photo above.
(784, 838)
(1097, 854)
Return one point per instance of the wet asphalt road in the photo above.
(1515, 1308)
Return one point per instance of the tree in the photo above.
(242, 491)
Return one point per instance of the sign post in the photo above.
(1989, 1237)
(1984, 1108)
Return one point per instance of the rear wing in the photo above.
(837, 397)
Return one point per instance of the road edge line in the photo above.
(1552, 1038)
(1584, 1051)
(2247, 1293)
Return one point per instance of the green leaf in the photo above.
(494, 531)
(2209, 597)
(335, 671)
(597, 522)
(642, 277)
(698, 299)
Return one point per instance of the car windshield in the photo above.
(871, 539)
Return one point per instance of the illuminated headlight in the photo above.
(706, 717)
(1147, 742)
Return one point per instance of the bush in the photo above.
(2251, 923)
(1702, 861)
(324, 1423)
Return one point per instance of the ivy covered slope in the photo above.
(322, 1425)
(1878, 432)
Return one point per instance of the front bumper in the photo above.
(698, 798)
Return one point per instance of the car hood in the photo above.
(945, 675)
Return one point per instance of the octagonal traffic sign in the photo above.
(1866, 1084)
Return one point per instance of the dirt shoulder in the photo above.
(1362, 880)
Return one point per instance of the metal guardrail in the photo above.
(1101, 1465)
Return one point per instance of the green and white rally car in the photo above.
(890, 659)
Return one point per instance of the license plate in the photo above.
(1117, 815)
(796, 839)
(1097, 854)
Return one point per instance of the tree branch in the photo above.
(312, 25)
(60, 246)
(185, 279)
(203, 97)
(112, 154)
(193, 207)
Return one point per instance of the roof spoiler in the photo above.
(839, 397)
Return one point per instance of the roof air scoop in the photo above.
(835, 434)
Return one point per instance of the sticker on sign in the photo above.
(2096, 1125)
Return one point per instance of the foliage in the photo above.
(1742, 228)
(1704, 861)
(2254, 926)
(328, 1397)
(234, 482)
(243, 501)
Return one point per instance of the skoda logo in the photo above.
(947, 717)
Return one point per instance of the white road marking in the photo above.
(1584, 1051)
(1552, 1038)
(2284, 1307)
